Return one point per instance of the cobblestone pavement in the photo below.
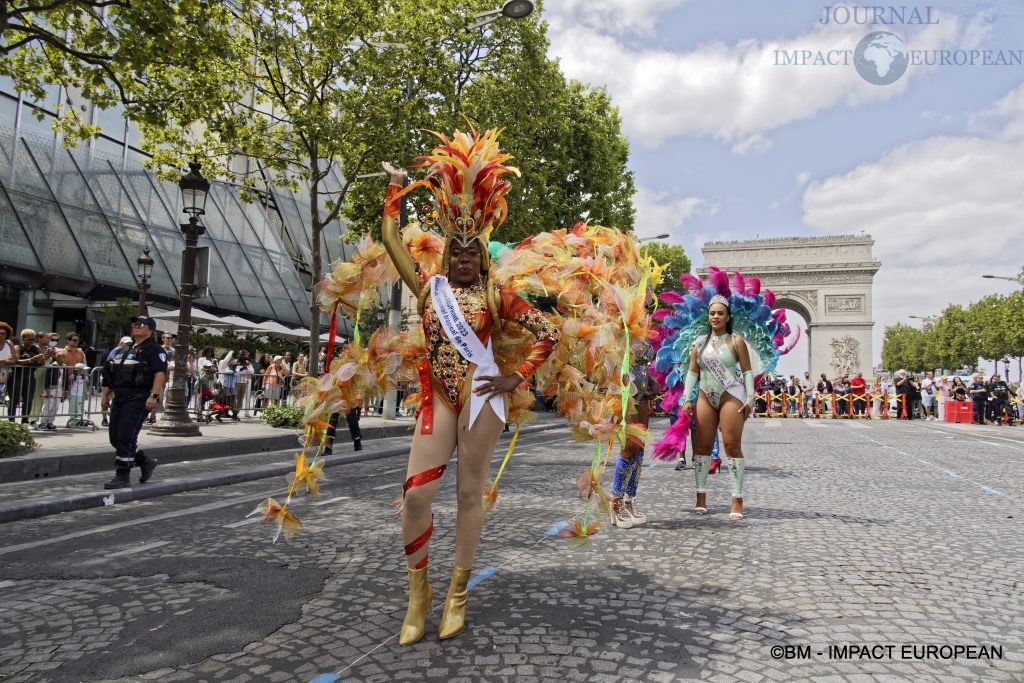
(858, 533)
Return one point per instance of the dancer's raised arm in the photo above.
(390, 230)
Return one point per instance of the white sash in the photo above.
(464, 339)
(713, 364)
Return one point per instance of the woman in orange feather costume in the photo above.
(463, 402)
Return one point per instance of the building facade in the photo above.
(74, 221)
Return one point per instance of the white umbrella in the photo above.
(197, 316)
(233, 322)
(277, 329)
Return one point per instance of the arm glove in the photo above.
(748, 384)
(688, 387)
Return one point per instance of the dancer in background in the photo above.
(622, 507)
(703, 363)
(720, 364)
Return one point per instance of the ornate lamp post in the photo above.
(145, 262)
(175, 420)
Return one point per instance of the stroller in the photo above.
(212, 409)
(76, 384)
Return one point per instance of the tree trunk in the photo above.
(316, 267)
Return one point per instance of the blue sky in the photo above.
(726, 145)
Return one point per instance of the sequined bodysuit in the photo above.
(449, 370)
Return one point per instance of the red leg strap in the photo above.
(424, 477)
(426, 399)
(412, 548)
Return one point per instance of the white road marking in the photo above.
(139, 549)
(387, 486)
(244, 522)
(329, 501)
(247, 500)
(941, 468)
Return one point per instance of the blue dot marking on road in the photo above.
(553, 531)
(481, 575)
(325, 678)
(989, 489)
(953, 474)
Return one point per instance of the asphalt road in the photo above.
(863, 534)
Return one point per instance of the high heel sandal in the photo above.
(620, 517)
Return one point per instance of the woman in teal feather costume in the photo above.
(703, 363)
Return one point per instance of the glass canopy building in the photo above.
(74, 221)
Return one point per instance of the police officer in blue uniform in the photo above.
(134, 376)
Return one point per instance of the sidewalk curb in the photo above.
(43, 466)
(82, 501)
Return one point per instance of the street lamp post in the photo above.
(662, 236)
(175, 420)
(145, 262)
(1019, 279)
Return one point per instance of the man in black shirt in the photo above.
(135, 376)
(824, 389)
(904, 395)
(979, 395)
(1000, 393)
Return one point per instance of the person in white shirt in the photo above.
(928, 396)
(943, 395)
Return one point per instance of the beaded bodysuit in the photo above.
(448, 369)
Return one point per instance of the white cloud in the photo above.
(1011, 108)
(658, 212)
(616, 17)
(733, 92)
(942, 211)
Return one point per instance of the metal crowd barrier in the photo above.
(772, 404)
(70, 397)
(59, 395)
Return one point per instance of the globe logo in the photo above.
(880, 58)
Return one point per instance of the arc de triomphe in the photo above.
(827, 280)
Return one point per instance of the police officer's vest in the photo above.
(128, 371)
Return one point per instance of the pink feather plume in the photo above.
(769, 298)
(674, 440)
(720, 281)
(690, 283)
(753, 285)
(790, 345)
(671, 298)
(738, 283)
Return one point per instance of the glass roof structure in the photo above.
(74, 221)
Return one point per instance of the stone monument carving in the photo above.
(845, 355)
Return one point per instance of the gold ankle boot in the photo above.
(420, 596)
(453, 620)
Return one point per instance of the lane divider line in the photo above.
(938, 467)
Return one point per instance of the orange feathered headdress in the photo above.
(465, 176)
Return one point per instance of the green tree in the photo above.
(564, 137)
(1011, 318)
(671, 254)
(903, 348)
(146, 57)
(954, 339)
(112, 321)
(986, 316)
(319, 77)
